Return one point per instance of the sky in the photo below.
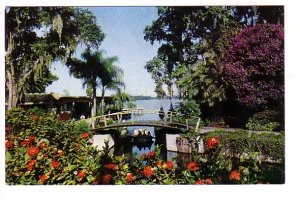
(123, 27)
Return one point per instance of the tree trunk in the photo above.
(102, 100)
(94, 107)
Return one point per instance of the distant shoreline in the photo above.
(140, 97)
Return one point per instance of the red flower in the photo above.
(106, 178)
(235, 175)
(150, 155)
(169, 165)
(81, 174)
(193, 166)
(33, 151)
(212, 142)
(55, 164)
(25, 142)
(111, 166)
(31, 165)
(85, 135)
(148, 171)
(43, 146)
(129, 177)
(208, 181)
(43, 178)
(7, 128)
(32, 138)
(200, 182)
(9, 144)
(60, 153)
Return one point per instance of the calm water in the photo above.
(152, 104)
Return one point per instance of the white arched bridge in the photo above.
(120, 119)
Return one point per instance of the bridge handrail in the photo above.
(170, 114)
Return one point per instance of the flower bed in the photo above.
(41, 149)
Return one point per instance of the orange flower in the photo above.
(159, 164)
(212, 142)
(148, 171)
(60, 153)
(31, 165)
(43, 146)
(199, 182)
(106, 178)
(85, 135)
(81, 174)
(129, 177)
(235, 175)
(25, 142)
(193, 166)
(55, 164)
(9, 144)
(111, 166)
(169, 165)
(33, 151)
(43, 178)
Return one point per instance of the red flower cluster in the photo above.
(193, 166)
(55, 164)
(150, 155)
(85, 135)
(212, 142)
(32, 138)
(106, 178)
(202, 182)
(31, 165)
(81, 173)
(25, 143)
(129, 177)
(33, 151)
(43, 178)
(111, 166)
(168, 165)
(9, 144)
(148, 171)
(235, 175)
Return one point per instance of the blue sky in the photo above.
(124, 38)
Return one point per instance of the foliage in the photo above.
(37, 36)
(254, 66)
(40, 149)
(268, 145)
(267, 120)
(189, 108)
(81, 127)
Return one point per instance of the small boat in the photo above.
(141, 136)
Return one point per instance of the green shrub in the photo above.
(238, 142)
(267, 120)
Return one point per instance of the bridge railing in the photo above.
(170, 118)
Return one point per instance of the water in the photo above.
(152, 104)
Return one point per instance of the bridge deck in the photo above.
(154, 123)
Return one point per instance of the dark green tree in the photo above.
(37, 36)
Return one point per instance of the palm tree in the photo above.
(89, 70)
(111, 78)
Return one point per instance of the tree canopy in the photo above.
(37, 36)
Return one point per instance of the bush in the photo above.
(267, 120)
(267, 144)
(40, 149)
